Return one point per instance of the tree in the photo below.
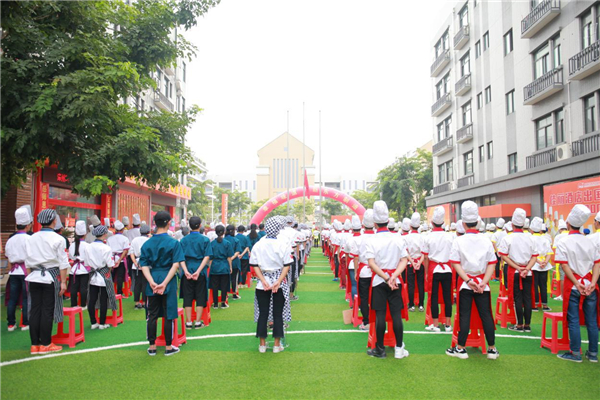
(334, 207)
(199, 204)
(298, 209)
(65, 71)
(365, 198)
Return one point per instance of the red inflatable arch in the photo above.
(330, 193)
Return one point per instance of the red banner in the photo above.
(224, 205)
(559, 199)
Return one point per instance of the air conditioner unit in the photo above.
(452, 185)
(563, 152)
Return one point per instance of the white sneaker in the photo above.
(448, 328)
(25, 328)
(400, 352)
(105, 326)
(84, 308)
(278, 349)
(559, 298)
(432, 328)
(262, 349)
(95, 326)
(11, 328)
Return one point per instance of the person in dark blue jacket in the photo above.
(220, 267)
(236, 264)
(245, 254)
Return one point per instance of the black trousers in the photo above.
(523, 299)
(382, 298)
(234, 279)
(498, 266)
(96, 291)
(336, 261)
(294, 268)
(245, 270)
(364, 285)
(219, 282)
(139, 286)
(540, 286)
(483, 304)
(18, 288)
(445, 280)
(420, 277)
(264, 300)
(41, 316)
(118, 276)
(157, 305)
(79, 284)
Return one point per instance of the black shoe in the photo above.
(493, 354)
(189, 326)
(377, 352)
(151, 352)
(174, 350)
(236, 297)
(535, 309)
(458, 353)
(224, 305)
(527, 328)
(199, 325)
(516, 328)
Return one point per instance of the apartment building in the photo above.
(516, 88)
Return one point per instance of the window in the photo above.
(598, 22)
(479, 100)
(442, 86)
(441, 45)
(466, 114)
(443, 128)
(468, 159)
(488, 94)
(508, 42)
(143, 105)
(463, 16)
(178, 103)
(486, 40)
(542, 61)
(170, 90)
(589, 106)
(490, 150)
(166, 86)
(184, 68)
(557, 55)
(543, 128)
(510, 102)
(477, 49)
(182, 104)
(586, 30)
(559, 126)
(481, 154)
(465, 65)
(512, 163)
(445, 172)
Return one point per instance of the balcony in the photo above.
(589, 144)
(443, 146)
(545, 86)
(444, 187)
(162, 101)
(585, 63)
(466, 181)
(169, 70)
(463, 85)
(539, 17)
(541, 158)
(441, 105)
(440, 63)
(464, 134)
(461, 38)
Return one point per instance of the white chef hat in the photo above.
(425, 226)
(487, 227)
(562, 224)
(398, 226)
(578, 215)
(509, 226)
(119, 225)
(356, 225)
(391, 223)
(500, 223)
(94, 220)
(347, 225)
(368, 218)
(415, 220)
(459, 226)
(480, 224)
(59, 224)
(22, 216)
(597, 217)
(337, 225)
(438, 215)
(453, 226)
(80, 228)
(492, 226)
(469, 212)
(136, 219)
(405, 225)
(518, 217)
(526, 224)
(107, 222)
(126, 221)
(381, 215)
(536, 224)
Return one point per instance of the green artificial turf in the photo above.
(315, 365)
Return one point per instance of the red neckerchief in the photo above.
(356, 234)
(413, 231)
(437, 230)
(516, 230)
(404, 233)
(574, 232)
(385, 229)
(368, 232)
(472, 231)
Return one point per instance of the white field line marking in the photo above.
(318, 273)
(229, 335)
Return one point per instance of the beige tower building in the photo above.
(279, 169)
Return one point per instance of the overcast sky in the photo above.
(365, 65)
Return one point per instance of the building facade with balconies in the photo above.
(515, 103)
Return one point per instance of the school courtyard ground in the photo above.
(325, 359)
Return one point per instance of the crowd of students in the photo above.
(380, 259)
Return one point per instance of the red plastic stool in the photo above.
(71, 337)
(476, 336)
(505, 312)
(21, 321)
(554, 343)
(555, 288)
(390, 338)
(114, 318)
(249, 279)
(356, 321)
(210, 297)
(179, 334)
(205, 313)
(441, 316)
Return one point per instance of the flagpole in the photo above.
(320, 176)
(303, 164)
(287, 175)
